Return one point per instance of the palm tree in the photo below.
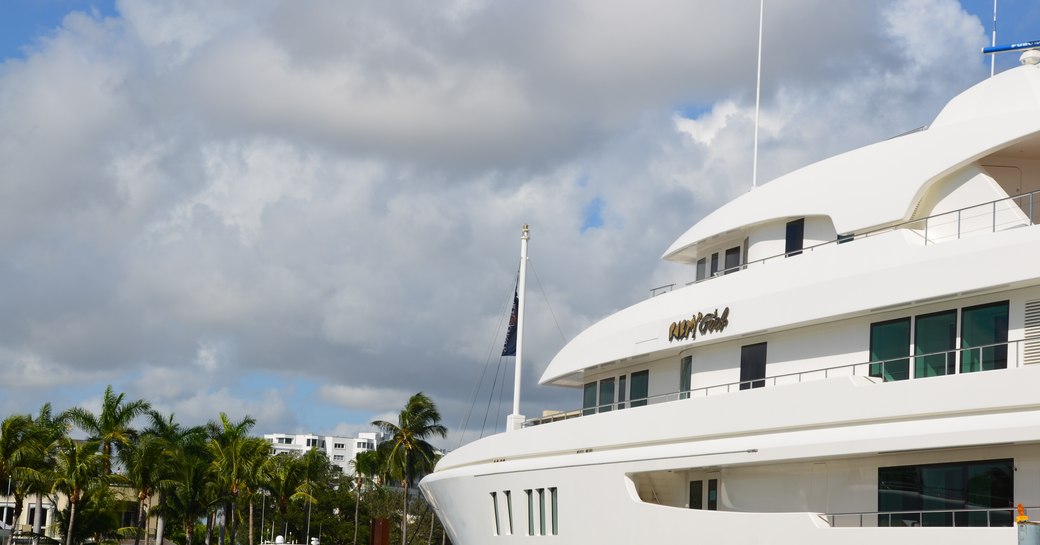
(410, 454)
(143, 462)
(234, 456)
(47, 428)
(77, 467)
(190, 494)
(285, 480)
(111, 427)
(366, 466)
(18, 455)
(178, 443)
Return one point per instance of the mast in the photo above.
(993, 43)
(758, 93)
(516, 420)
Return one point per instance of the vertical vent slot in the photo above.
(1031, 346)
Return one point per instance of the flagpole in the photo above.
(516, 420)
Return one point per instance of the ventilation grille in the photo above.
(1032, 342)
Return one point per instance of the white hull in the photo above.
(828, 464)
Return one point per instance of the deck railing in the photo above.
(990, 357)
(991, 216)
(978, 517)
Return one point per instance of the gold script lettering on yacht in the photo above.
(711, 322)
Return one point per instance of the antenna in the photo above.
(758, 94)
(993, 60)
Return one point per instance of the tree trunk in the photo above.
(160, 527)
(19, 498)
(38, 519)
(251, 542)
(357, 506)
(209, 527)
(404, 517)
(72, 519)
(140, 521)
(189, 531)
(229, 523)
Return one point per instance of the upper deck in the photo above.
(918, 207)
(887, 182)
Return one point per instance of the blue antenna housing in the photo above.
(1010, 47)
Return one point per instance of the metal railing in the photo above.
(978, 517)
(991, 216)
(990, 357)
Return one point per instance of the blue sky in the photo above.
(23, 21)
(307, 211)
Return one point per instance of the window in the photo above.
(732, 259)
(713, 494)
(795, 237)
(32, 516)
(685, 376)
(702, 265)
(606, 395)
(285, 440)
(494, 509)
(945, 490)
(714, 263)
(752, 366)
(588, 403)
(935, 343)
(337, 457)
(541, 511)
(509, 512)
(530, 512)
(338, 445)
(889, 348)
(555, 511)
(696, 494)
(849, 237)
(984, 328)
(312, 442)
(599, 396)
(640, 388)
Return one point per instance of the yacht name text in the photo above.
(712, 322)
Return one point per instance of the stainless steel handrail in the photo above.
(907, 224)
(874, 369)
(858, 518)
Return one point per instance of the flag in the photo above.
(510, 347)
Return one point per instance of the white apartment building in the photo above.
(340, 450)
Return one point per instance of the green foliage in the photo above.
(410, 455)
(192, 473)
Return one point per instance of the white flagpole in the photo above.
(758, 93)
(516, 420)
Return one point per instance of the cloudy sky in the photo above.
(307, 211)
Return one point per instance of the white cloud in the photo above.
(194, 194)
(364, 398)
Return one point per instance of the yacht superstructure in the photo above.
(856, 359)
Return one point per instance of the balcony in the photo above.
(1000, 356)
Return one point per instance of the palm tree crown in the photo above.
(410, 453)
(112, 425)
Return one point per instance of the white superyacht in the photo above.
(856, 361)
